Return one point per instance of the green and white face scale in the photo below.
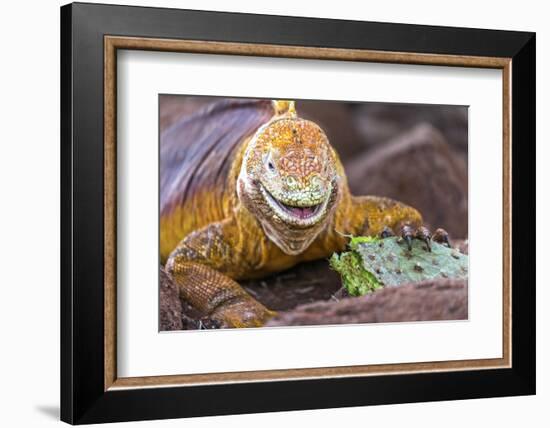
(287, 180)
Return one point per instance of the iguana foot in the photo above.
(408, 233)
(239, 313)
(386, 232)
(441, 236)
(424, 235)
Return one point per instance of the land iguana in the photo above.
(249, 188)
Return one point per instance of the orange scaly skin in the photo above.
(286, 201)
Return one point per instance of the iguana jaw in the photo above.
(292, 237)
(303, 215)
(289, 181)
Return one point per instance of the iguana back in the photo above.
(196, 157)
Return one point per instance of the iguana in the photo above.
(249, 188)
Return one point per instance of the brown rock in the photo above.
(441, 299)
(170, 305)
(174, 313)
(420, 169)
(378, 123)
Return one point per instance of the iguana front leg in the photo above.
(201, 266)
(374, 215)
(386, 217)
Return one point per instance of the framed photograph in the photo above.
(265, 213)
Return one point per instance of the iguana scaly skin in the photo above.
(249, 189)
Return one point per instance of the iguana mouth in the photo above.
(303, 215)
(299, 212)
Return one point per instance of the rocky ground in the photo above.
(312, 294)
(434, 300)
(416, 154)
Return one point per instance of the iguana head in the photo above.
(289, 179)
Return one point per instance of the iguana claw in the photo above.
(424, 234)
(441, 236)
(408, 233)
(386, 232)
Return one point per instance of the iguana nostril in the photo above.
(316, 183)
(292, 182)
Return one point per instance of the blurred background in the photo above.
(415, 153)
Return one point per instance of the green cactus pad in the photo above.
(355, 278)
(372, 263)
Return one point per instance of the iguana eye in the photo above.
(268, 161)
